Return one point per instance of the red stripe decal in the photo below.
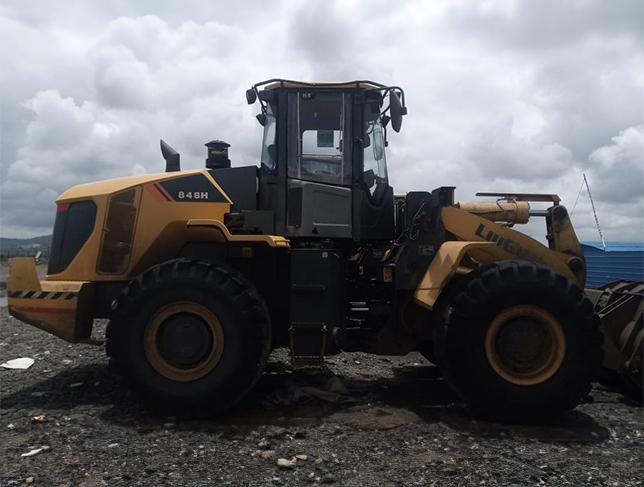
(156, 194)
(164, 192)
(43, 310)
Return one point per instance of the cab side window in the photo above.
(374, 172)
(269, 152)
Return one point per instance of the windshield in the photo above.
(269, 153)
(374, 162)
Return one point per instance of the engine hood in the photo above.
(110, 186)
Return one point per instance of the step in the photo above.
(308, 342)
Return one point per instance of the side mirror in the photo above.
(272, 153)
(261, 118)
(251, 96)
(397, 110)
(369, 178)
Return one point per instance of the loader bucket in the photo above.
(620, 306)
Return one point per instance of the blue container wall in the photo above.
(603, 267)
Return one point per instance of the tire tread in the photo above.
(483, 288)
(217, 277)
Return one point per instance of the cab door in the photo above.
(320, 164)
(373, 197)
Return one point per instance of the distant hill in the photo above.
(25, 243)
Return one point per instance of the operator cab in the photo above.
(323, 165)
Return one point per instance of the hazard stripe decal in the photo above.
(42, 295)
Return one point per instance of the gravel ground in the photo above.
(396, 424)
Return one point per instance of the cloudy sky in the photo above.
(518, 96)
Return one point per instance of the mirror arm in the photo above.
(261, 117)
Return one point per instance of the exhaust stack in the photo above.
(171, 157)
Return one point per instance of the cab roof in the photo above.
(273, 84)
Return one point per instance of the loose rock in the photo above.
(263, 444)
(285, 464)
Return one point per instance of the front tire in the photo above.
(189, 337)
(519, 342)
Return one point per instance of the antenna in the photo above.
(595, 213)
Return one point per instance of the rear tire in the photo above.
(519, 342)
(189, 337)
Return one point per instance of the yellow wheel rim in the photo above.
(183, 341)
(525, 345)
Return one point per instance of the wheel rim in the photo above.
(525, 345)
(183, 341)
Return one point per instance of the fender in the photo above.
(564, 256)
(216, 225)
(175, 235)
(445, 264)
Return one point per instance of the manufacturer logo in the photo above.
(506, 244)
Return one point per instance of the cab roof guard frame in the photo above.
(315, 84)
(252, 94)
(322, 84)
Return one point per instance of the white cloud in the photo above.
(619, 168)
(502, 96)
(498, 153)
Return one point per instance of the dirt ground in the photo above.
(360, 421)
(383, 421)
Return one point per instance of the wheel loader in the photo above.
(202, 273)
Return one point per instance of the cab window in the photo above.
(319, 126)
(269, 152)
(374, 173)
